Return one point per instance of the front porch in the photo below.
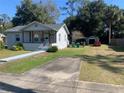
(38, 40)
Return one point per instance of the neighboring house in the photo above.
(36, 36)
(2, 37)
(76, 35)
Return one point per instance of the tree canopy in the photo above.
(28, 11)
(5, 22)
(98, 19)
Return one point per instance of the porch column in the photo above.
(22, 36)
(32, 37)
(42, 37)
(49, 37)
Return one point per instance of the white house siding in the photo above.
(62, 38)
(11, 39)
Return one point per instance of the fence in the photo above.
(117, 42)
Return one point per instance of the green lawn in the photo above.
(98, 64)
(7, 53)
(26, 64)
(103, 68)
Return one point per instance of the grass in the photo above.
(7, 53)
(94, 73)
(26, 64)
(102, 68)
(98, 64)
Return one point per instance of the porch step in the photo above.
(43, 48)
(34, 46)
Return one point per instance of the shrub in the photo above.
(1, 45)
(18, 46)
(52, 49)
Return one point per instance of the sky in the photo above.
(9, 6)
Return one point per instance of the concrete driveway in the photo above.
(53, 77)
(58, 76)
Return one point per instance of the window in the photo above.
(59, 37)
(17, 37)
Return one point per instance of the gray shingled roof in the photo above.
(15, 29)
(54, 27)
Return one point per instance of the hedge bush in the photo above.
(1, 45)
(18, 46)
(52, 49)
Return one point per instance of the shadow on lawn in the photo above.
(114, 64)
(14, 89)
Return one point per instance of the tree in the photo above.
(5, 22)
(24, 13)
(29, 11)
(95, 17)
(52, 13)
(91, 17)
(72, 6)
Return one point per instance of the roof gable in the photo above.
(36, 26)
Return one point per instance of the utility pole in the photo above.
(109, 14)
(110, 32)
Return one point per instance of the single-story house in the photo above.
(76, 35)
(36, 36)
(2, 37)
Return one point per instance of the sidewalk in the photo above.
(13, 58)
(92, 87)
(25, 84)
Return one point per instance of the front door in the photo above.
(46, 39)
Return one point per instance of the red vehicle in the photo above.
(97, 43)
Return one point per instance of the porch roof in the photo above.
(15, 29)
(36, 26)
